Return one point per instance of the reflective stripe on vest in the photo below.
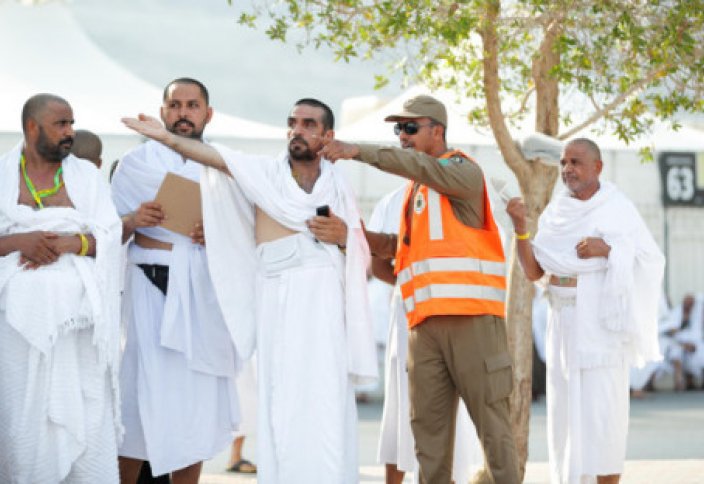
(434, 215)
(454, 291)
(451, 264)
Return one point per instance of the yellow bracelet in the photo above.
(525, 236)
(84, 245)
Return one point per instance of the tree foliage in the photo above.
(627, 58)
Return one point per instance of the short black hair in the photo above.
(589, 144)
(328, 117)
(188, 80)
(36, 104)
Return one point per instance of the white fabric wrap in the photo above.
(267, 183)
(189, 298)
(620, 293)
(74, 292)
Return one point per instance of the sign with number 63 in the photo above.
(682, 177)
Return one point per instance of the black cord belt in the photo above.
(157, 274)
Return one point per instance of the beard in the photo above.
(55, 153)
(194, 133)
(299, 150)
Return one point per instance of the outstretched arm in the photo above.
(187, 147)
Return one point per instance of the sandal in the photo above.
(243, 466)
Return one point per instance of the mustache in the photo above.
(184, 121)
(68, 140)
(299, 139)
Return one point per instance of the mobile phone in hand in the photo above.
(322, 211)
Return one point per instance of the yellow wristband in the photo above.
(84, 245)
(525, 236)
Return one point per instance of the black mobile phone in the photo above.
(322, 211)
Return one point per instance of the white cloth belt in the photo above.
(291, 251)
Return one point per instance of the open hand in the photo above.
(147, 126)
(149, 214)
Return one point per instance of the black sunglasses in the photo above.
(409, 127)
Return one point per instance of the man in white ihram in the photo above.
(306, 281)
(602, 271)
(59, 308)
(179, 363)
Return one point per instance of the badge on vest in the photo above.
(451, 159)
(419, 203)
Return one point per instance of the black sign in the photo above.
(682, 185)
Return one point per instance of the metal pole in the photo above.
(666, 244)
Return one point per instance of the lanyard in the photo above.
(38, 195)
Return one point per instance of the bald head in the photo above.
(590, 146)
(88, 146)
(35, 106)
(580, 167)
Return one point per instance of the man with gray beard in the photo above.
(59, 307)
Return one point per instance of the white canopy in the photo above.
(44, 49)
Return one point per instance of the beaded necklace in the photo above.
(38, 195)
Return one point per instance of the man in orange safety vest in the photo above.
(450, 267)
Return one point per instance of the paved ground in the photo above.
(665, 444)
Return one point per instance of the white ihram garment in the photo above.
(385, 219)
(179, 362)
(596, 330)
(396, 443)
(59, 338)
(247, 393)
(639, 377)
(313, 331)
(692, 362)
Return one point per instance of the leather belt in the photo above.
(149, 243)
(563, 281)
(157, 275)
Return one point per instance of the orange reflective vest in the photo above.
(445, 267)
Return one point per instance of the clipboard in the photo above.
(180, 201)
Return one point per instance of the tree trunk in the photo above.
(536, 187)
(536, 181)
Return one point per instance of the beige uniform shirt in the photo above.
(460, 179)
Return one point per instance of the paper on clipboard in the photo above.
(180, 201)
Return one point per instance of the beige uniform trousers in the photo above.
(461, 356)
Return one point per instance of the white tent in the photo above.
(44, 49)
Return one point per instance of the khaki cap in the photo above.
(422, 106)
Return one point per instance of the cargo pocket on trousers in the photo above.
(499, 378)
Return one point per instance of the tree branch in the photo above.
(618, 100)
(512, 155)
